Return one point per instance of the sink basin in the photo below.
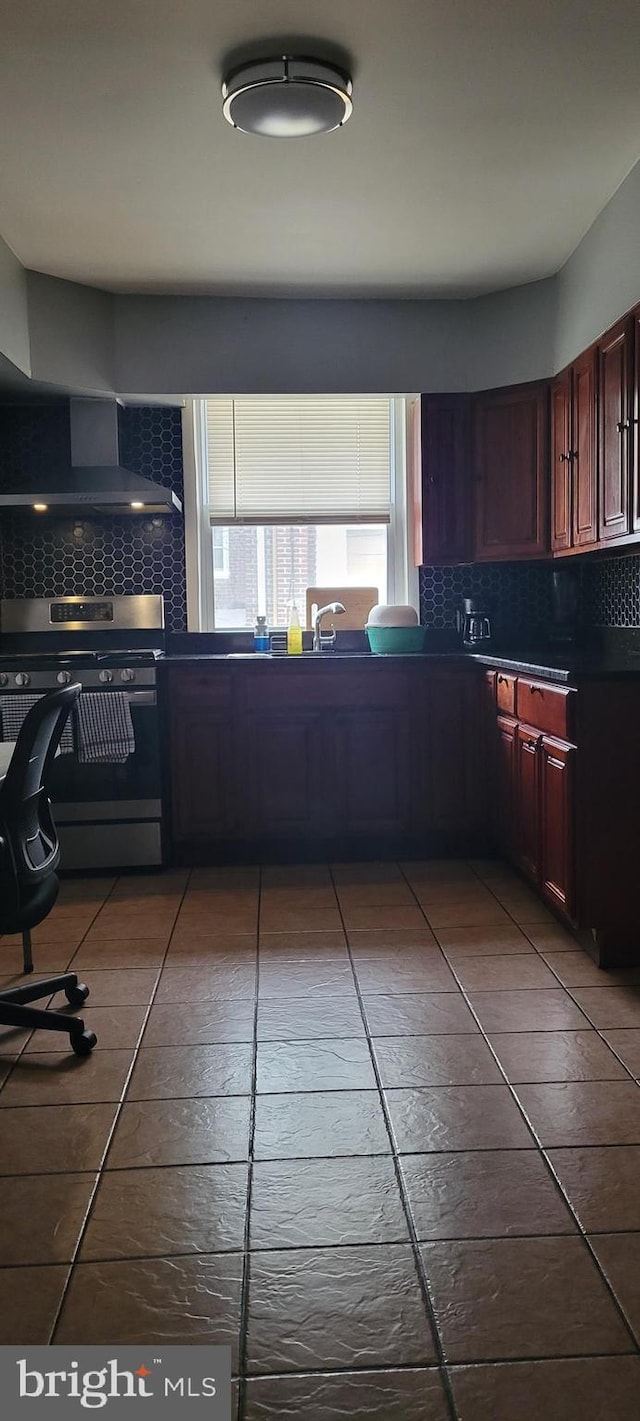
(302, 656)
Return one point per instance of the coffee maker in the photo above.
(475, 623)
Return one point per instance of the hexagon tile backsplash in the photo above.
(112, 556)
(519, 595)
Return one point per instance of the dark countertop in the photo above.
(616, 657)
(570, 667)
(566, 669)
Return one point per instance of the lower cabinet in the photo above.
(557, 847)
(203, 788)
(372, 772)
(452, 750)
(503, 762)
(528, 821)
(282, 778)
(367, 757)
(535, 808)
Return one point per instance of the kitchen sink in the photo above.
(301, 656)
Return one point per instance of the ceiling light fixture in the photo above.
(41, 507)
(290, 96)
(136, 504)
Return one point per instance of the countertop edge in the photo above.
(570, 675)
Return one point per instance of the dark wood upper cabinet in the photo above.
(635, 425)
(574, 521)
(561, 499)
(614, 424)
(443, 518)
(510, 448)
(583, 451)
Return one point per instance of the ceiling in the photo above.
(484, 141)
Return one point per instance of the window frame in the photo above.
(402, 576)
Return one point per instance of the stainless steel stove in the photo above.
(108, 815)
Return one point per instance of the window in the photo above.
(294, 492)
(220, 548)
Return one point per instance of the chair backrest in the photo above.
(26, 822)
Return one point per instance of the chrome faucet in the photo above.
(321, 639)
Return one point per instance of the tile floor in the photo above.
(377, 1127)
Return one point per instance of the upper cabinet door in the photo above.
(614, 365)
(635, 424)
(443, 479)
(510, 456)
(583, 451)
(561, 516)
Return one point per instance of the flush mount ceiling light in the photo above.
(289, 96)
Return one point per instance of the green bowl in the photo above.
(395, 641)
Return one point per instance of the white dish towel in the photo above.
(104, 728)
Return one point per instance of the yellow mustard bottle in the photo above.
(294, 633)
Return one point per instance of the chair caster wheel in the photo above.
(83, 1044)
(76, 995)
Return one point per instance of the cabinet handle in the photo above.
(623, 424)
(564, 458)
(536, 690)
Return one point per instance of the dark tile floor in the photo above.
(377, 1127)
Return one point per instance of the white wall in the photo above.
(71, 332)
(150, 346)
(602, 279)
(14, 324)
(192, 345)
(200, 345)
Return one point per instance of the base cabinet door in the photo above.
(527, 801)
(453, 751)
(505, 765)
(204, 799)
(285, 775)
(557, 874)
(372, 790)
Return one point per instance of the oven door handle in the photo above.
(142, 698)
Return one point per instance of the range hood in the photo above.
(96, 482)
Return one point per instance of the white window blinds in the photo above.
(298, 459)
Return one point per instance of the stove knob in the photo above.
(4, 679)
(63, 678)
(23, 678)
(105, 677)
(127, 675)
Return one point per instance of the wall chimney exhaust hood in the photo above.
(96, 482)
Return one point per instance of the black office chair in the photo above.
(29, 855)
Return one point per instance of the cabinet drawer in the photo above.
(506, 693)
(549, 708)
(312, 688)
(210, 688)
